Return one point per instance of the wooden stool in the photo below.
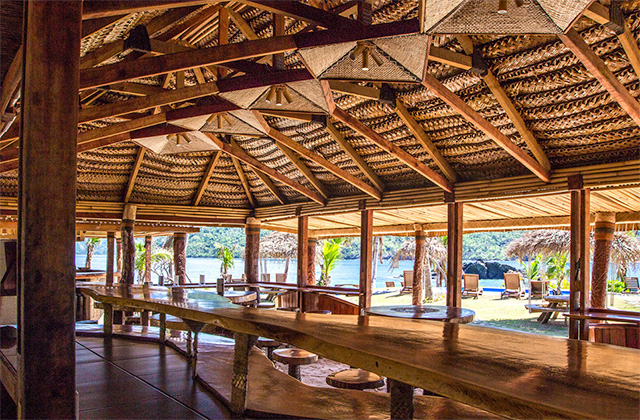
(355, 379)
(265, 304)
(269, 344)
(294, 358)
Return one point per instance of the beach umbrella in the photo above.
(501, 16)
(171, 144)
(625, 249)
(395, 59)
(434, 251)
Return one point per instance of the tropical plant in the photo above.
(330, 256)
(161, 262)
(226, 255)
(617, 286)
(92, 243)
(532, 269)
(557, 269)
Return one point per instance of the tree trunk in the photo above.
(428, 289)
(91, 249)
(377, 250)
(418, 269)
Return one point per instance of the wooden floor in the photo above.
(124, 379)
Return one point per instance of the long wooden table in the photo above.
(513, 374)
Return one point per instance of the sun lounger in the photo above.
(390, 283)
(512, 286)
(539, 288)
(632, 284)
(471, 285)
(407, 284)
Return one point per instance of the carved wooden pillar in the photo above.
(46, 209)
(454, 250)
(147, 258)
(366, 255)
(418, 269)
(603, 236)
(252, 250)
(111, 238)
(312, 245)
(303, 257)
(580, 256)
(119, 255)
(128, 245)
(180, 256)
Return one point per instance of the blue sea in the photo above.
(345, 272)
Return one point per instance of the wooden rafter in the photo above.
(104, 8)
(237, 152)
(509, 108)
(270, 186)
(416, 129)
(357, 159)
(301, 11)
(331, 167)
(151, 66)
(472, 116)
(243, 181)
(365, 92)
(206, 177)
(602, 73)
(304, 169)
(602, 15)
(242, 24)
(451, 58)
(134, 174)
(123, 127)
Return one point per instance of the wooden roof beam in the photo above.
(603, 15)
(243, 181)
(301, 11)
(508, 106)
(602, 73)
(237, 152)
(304, 169)
(357, 159)
(473, 117)
(103, 8)
(416, 129)
(151, 66)
(331, 167)
(242, 24)
(270, 186)
(206, 177)
(365, 92)
(134, 174)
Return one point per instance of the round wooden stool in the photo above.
(269, 344)
(265, 304)
(355, 379)
(294, 358)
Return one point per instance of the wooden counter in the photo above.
(508, 373)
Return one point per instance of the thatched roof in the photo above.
(434, 250)
(279, 245)
(565, 109)
(625, 249)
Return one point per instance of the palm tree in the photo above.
(91, 249)
(160, 262)
(330, 256)
(557, 268)
(226, 255)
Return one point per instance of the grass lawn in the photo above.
(490, 311)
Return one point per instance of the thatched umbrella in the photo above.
(434, 253)
(279, 246)
(625, 249)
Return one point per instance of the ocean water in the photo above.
(345, 272)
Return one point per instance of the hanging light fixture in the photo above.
(502, 7)
(367, 49)
(277, 92)
(190, 141)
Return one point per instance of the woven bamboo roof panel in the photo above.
(224, 188)
(103, 173)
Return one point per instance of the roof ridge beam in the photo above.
(506, 102)
(597, 67)
(134, 174)
(473, 117)
(329, 166)
(236, 151)
(206, 177)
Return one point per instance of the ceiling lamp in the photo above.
(302, 96)
(395, 59)
(171, 144)
(500, 16)
(239, 122)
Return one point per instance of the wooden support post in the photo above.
(418, 270)
(401, 400)
(147, 258)
(311, 260)
(111, 238)
(603, 237)
(303, 257)
(366, 255)
(108, 319)
(244, 343)
(144, 318)
(119, 255)
(252, 250)
(454, 250)
(46, 209)
(163, 327)
(180, 256)
(580, 256)
(128, 245)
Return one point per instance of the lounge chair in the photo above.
(631, 283)
(512, 286)
(407, 284)
(539, 288)
(471, 285)
(265, 277)
(281, 277)
(390, 283)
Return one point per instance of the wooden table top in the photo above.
(607, 317)
(509, 373)
(557, 298)
(348, 291)
(355, 379)
(430, 312)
